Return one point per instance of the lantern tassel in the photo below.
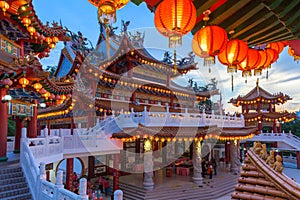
(232, 82)
(209, 61)
(209, 70)
(267, 75)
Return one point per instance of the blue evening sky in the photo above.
(80, 15)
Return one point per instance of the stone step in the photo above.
(12, 180)
(26, 196)
(13, 193)
(11, 175)
(212, 189)
(10, 170)
(4, 188)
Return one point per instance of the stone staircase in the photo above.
(212, 189)
(13, 184)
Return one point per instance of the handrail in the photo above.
(36, 177)
(290, 187)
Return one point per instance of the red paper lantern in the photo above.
(209, 42)
(234, 53)
(278, 46)
(175, 18)
(251, 62)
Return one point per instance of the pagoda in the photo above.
(259, 109)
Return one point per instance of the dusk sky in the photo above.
(284, 76)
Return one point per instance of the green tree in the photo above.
(51, 69)
(11, 127)
(293, 126)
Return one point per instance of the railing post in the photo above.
(42, 171)
(58, 185)
(82, 189)
(118, 195)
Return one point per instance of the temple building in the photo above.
(116, 111)
(259, 109)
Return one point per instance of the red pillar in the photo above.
(72, 125)
(91, 166)
(227, 152)
(69, 174)
(21, 43)
(3, 125)
(274, 127)
(19, 126)
(133, 96)
(91, 119)
(298, 159)
(32, 124)
(116, 172)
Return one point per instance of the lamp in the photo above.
(6, 98)
(42, 105)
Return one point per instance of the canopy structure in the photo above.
(256, 22)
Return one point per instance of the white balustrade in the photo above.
(10, 144)
(39, 187)
(286, 138)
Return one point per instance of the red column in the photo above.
(116, 172)
(298, 159)
(19, 126)
(91, 119)
(91, 166)
(168, 80)
(69, 174)
(247, 108)
(274, 127)
(21, 43)
(133, 96)
(32, 124)
(3, 125)
(258, 106)
(227, 152)
(171, 99)
(72, 125)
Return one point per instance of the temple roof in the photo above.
(12, 27)
(259, 94)
(272, 115)
(259, 181)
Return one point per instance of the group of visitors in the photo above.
(94, 192)
(208, 168)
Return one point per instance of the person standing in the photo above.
(101, 181)
(214, 163)
(209, 171)
(106, 186)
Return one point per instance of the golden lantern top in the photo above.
(107, 9)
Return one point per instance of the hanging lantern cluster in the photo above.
(209, 41)
(174, 19)
(107, 9)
